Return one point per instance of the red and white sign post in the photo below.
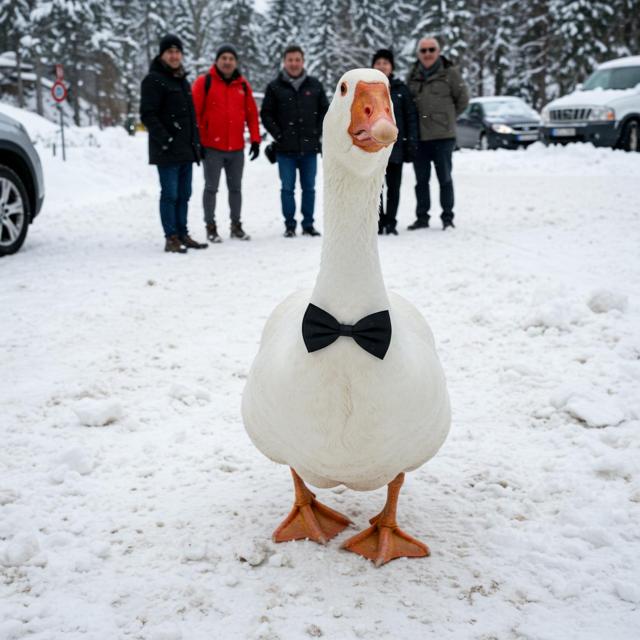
(59, 93)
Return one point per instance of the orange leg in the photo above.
(309, 518)
(384, 540)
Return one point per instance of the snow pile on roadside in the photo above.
(538, 160)
(100, 164)
(45, 133)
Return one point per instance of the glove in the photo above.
(254, 151)
(410, 151)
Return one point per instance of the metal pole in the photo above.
(64, 156)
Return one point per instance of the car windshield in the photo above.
(617, 78)
(501, 108)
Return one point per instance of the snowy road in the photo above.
(157, 526)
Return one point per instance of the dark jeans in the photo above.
(175, 191)
(394, 180)
(439, 152)
(307, 164)
(233, 164)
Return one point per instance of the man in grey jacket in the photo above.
(440, 96)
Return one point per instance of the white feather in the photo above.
(340, 415)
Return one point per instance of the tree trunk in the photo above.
(498, 77)
(38, 70)
(19, 73)
(75, 96)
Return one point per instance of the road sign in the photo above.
(59, 72)
(59, 91)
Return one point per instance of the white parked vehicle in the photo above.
(605, 110)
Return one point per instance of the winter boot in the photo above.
(237, 232)
(420, 223)
(290, 232)
(310, 231)
(212, 233)
(173, 245)
(448, 224)
(190, 243)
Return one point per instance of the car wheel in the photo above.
(631, 136)
(483, 142)
(14, 212)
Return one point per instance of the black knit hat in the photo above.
(387, 54)
(226, 48)
(169, 41)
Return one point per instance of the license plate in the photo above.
(526, 137)
(568, 131)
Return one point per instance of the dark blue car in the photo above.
(499, 122)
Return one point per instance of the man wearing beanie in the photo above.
(292, 111)
(224, 105)
(166, 110)
(440, 96)
(404, 150)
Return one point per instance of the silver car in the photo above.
(21, 184)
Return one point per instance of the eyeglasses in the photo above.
(428, 50)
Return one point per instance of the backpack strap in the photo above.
(207, 86)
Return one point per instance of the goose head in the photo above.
(359, 128)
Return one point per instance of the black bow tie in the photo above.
(372, 333)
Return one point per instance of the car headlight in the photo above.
(502, 128)
(606, 114)
(546, 115)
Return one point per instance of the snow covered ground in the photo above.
(133, 505)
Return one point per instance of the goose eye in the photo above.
(343, 88)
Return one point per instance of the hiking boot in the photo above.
(173, 245)
(310, 231)
(190, 243)
(212, 233)
(237, 232)
(290, 232)
(420, 223)
(391, 231)
(448, 224)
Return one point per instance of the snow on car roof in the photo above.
(628, 61)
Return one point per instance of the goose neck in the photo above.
(350, 283)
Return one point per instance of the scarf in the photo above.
(295, 82)
(434, 68)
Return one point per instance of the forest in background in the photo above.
(536, 50)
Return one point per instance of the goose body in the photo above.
(341, 415)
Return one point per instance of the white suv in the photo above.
(605, 110)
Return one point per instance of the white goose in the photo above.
(340, 415)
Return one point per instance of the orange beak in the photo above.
(372, 127)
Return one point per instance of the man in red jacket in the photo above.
(224, 103)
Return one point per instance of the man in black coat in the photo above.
(292, 111)
(166, 110)
(404, 150)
